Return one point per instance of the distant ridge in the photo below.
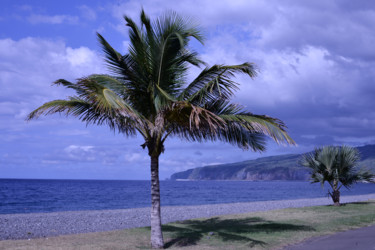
(280, 167)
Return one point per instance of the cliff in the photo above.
(281, 167)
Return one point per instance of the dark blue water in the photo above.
(30, 196)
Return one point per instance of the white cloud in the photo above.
(13, 159)
(50, 162)
(87, 12)
(80, 56)
(132, 157)
(77, 148)
(294, 77)
(29, 66)
(70, 132)
(355, 140)
(277, 24)
(25, 7)
(80, 153)
(7, 108)
(56, 19)
(221, 13)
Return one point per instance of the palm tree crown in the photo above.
(338, 166)
(147, 93)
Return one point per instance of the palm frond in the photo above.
(69, 85)
(171, 55)
(113, 83)
(365, 175)
(158, 58)
(336, 165)
(234, 114)
(171, 22)
(87, 113)
(73, 106)
(234, 135)
(196, 123)
(96, 103)
(266, 125)
(215, 82)
(103, 98)
(189, 116)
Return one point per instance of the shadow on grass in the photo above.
(358, 203)
(190, 232)
(344, 204)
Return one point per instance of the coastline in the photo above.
(39, 225)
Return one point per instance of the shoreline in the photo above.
(39, 225)
(192, 205)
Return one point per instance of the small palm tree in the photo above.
(338, 167)
(147, 94)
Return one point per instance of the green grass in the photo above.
(261, 230)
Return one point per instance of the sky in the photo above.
(316, 63)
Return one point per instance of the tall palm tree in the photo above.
(147, 94)
(338, 167)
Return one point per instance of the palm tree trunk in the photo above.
(336, 197)
(335, 193)
(156, 233)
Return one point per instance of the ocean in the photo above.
(34, 196)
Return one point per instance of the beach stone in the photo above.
(37, 225)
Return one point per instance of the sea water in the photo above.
(33, 196)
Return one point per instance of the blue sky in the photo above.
(316, 61)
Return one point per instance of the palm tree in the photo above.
(147, 94)
(338, 167)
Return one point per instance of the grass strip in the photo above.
(261, 230)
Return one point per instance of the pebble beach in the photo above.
(39, 225)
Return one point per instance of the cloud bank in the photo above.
(316, 72)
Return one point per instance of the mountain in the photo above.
(281, 167)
